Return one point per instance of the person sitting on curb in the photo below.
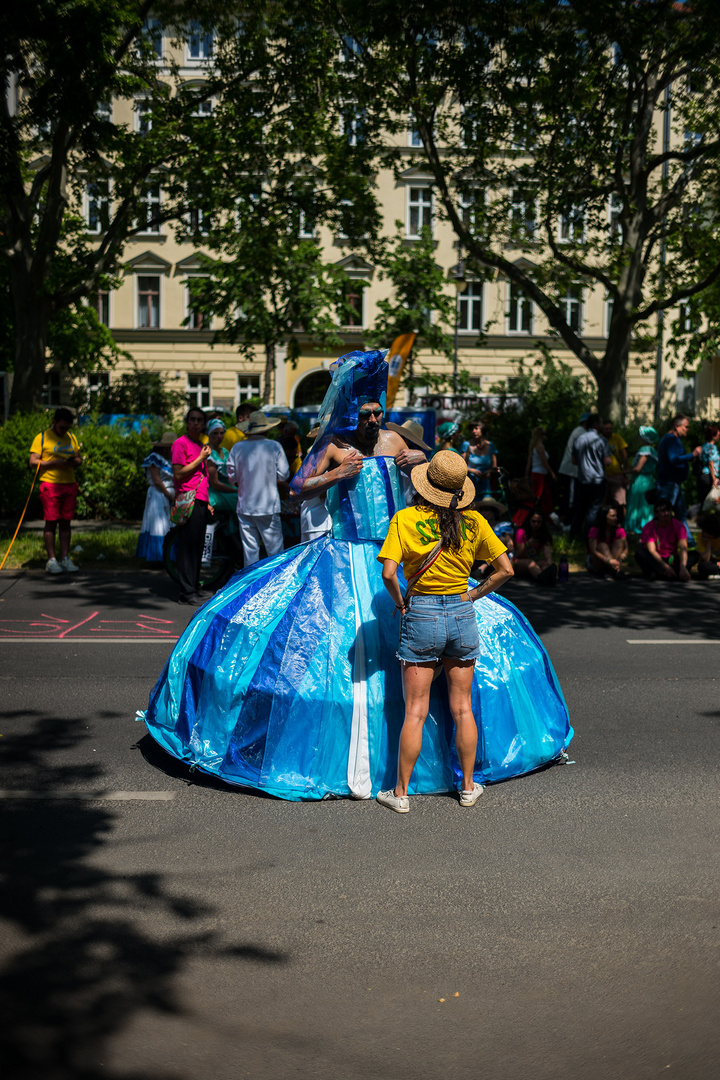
(607, 545)
(663, 550)
(709, 546)
(533, 551)
(55, 454)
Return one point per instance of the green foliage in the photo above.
(548, 394)
(110, 475)
(132, 392)
(102, 549)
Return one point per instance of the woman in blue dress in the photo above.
(287, 680)
(481, 458)
(644, 469)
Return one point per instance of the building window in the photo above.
(470, 307)
(195, 319)
(523, 214)
(143, 115)
(152, 34)
(149, 210)
(420, 210)
(148, 299)
(353, 307)
(614, 227)
(414, 137)
(349, 48)
(571, 307)
(198, 391)
(98, 206)
(96, 387)
(689, 319)
(204, 107)
(200, 43)
(104, 111)
(467, 207)
(352, 119)
(571, 226)
(248, 387)
(101, 302)
(686, 393)
(609, 305)
(520, 315)
(198, 221)
(51, 388)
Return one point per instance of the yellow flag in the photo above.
(398, 354)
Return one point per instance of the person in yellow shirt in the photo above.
(437, 544)
(234, 434)
(55, 453)
(615, 471)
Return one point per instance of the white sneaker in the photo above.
(399, 803)
(469, 798)
(69, 565)
(53, 567)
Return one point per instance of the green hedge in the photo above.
(110, 475)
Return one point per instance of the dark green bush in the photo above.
(110, 475)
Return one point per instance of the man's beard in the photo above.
(371, 434)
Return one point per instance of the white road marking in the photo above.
(91, 796)
(672, 641)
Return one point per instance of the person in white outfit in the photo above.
(255, 465)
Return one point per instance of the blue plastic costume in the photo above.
(287, 680)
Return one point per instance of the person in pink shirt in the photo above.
(189, 462)
(663, 551)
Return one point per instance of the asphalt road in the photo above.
(566, 928)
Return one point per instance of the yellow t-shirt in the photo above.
(232, 435)
(617, 445)
(413, 534)
(49, 444)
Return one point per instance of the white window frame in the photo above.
(607, 314)
(614, 210)
(189, 308)
(142, 111)
(96, 295)
(467, 202)
(571, 226)
(148, 274)
(522, 200)
(351, 123)
(413, 136)
(349, 47)
(153, 28)
(247, 390)
(421, 206)
(199, 391)
(472, 300)
(204, 56)
(568, 300)
(360, 288)
(98, 230)
(203, 217)
(307, 230)
(104, 111)
(524, 305)
(155, 230)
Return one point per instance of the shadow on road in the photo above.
(83, 964)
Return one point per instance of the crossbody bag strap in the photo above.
(426, 564)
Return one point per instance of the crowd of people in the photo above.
(240, 475)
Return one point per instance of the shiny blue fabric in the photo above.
(288, 681)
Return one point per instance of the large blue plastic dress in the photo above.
(288, 680)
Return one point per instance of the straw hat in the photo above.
(258, 422)
(444, 480)
(167, 439)
(412, 432)
(492, 504)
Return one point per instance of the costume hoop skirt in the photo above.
(288, 680)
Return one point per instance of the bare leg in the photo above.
(64, 539)
(49, 538)
(459, 675)
(417, 680)
(523, 567)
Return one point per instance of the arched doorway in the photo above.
(311, 389)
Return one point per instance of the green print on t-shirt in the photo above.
(431, 524)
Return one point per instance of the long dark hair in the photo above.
(449, 523)
(544, 536)
(603, 527)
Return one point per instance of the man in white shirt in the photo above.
(255, 465)
(568, 470)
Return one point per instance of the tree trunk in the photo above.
(611, 381)
(32, 316)
(269, 373)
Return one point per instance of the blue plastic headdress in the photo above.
(357, 378)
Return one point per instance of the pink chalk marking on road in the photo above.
(58, 628)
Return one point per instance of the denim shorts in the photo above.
(436, 626)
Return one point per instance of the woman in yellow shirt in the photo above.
(437, 545)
